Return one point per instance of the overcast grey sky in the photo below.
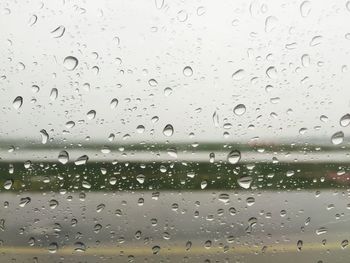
(133, 43)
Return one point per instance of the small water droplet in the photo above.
(316, 40)
(159, 3)
(53, 203)
(70, 62)
(44, 136)
(114, 103)
(86, 184)
(91, 114)
(321, 231)
(155, 250)
(58, 32)
(53, 94)
(32, 20)
(238, 75)
(53, 247)
(299, 245)
(182, 16)
(245, 182)
(305, 8)
(344, 244)
(17, 102)
(187, 71)
(305, 60)
(79, 247)
(224, 198)
(8, 184)
(24, 201)
(81, 160)
(271, 72)
(140, 129)
(270, 23)
(140, 178)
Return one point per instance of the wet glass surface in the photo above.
(174, 131)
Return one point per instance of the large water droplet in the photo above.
(79, 247)
(345, 120)
(168, 130)
(70, 62)
(239, 109)
(337, 138)
(299, 245)
(234, 156)
(114, 103)
(344, 244)
(63, 157)
(17, 102)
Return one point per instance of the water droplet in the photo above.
(155, 250)
(250, 201)
(33, 19)
(188, 245)
(216, 119)
(245, 182)
(224, 198)
(315, 41)
(114, 103)
(53, 94)
(239, 109)
(305, 60)
(271, 72)
(58, 32)
(8, 184)
(86, 184)
(70, 62)
(182, 16)
(63, 157)
(44, 136)
(204, 184)
(270, 23)
(79, 247)
(212, 157)
(345, 120)
(168, 130)
(17, 102)
(344, 244)
(81, 160)
(159, 3)
(153, 83)
(305, 8)
(337, 138)
(234, 156)
(140, 178)
(238, 75)
(140, 129)
(299, 245)
(53, 203)
(321, 230)
(168, 91)
(91, 114)
(201, 10)
(53, 247)
(24, 201)
(70, 124)
(187, 71)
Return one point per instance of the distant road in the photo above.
(124, 226)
